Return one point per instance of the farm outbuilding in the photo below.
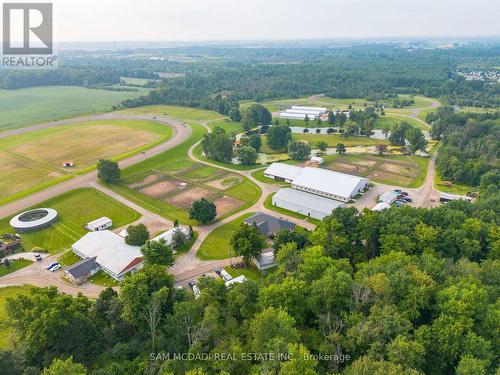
(111, 253)
(329, 184)
(306, 204)
(102, 223)
(389, 197)
(282, 172)
(266, 261)
(381, 206)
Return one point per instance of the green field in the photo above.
(232, 128)
(397, 170)
(216, 245)
(393, 119)
(14, 266)
(175, 165)
(251, 273)
(68, 258)
(334, 139)
(5, 328)
(33, 160)
(135, 81)
(40, 104)
(103, 279)
(456, 188)
(75, 209)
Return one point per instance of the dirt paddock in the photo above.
(186, 197)
(226, 204)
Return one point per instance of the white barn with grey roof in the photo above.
(304, 203)
(114, 256)
(282, 171)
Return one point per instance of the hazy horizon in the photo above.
(280, 20)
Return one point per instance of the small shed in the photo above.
(102, 223)
(389, 197)
(265, 261)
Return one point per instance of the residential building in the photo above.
(79, 272)
(169, 234)
(269, 225)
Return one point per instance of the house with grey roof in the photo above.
(79, 272)
(269, 225)
(266, 261)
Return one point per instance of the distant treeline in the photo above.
(371, 72)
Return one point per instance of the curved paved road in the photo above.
(181, 133)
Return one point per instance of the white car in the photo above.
(196, 291)
(55, 268)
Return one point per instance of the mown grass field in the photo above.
(41, 104)
(34, 160)
(6, 330)
(334, 139)
(251, 273)
(14, 266)
(75, 209)
(456, 188)
(216, 245)
(398, 170)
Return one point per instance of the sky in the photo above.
(206, 20)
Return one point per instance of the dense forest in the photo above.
(470, 147)
(402, 291)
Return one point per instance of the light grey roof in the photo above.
(266, 259)
(388, 196)
(82, 268)
(283, 170)
(326, 181)
(307, 200)
(168, 235)
(381, 206)
(110, 249)
(268, 224)
(99, 222)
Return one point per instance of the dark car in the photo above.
(409, 199)
(403, 193)
(192, 284)
(218, 271)
(38, 257)
(398, 190)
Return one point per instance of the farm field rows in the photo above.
(35, 105)
(407, 171)
(35, 158)
(75, 209)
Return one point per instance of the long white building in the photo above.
(302, 108)
(298, 112)
(296, 116)
(329, 184)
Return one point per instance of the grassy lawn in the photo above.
(14, 266)
(456, 188)
(5, 329)
(268, 203)
(334, 139)
(398, 170)
(102, 278)
(216, 245)
(75, 209)
(39, 104)
(33, 161)
(68, 258)
(232, 128)
(251, 273)
(393, 119)
(188, 245)
(135, 81)
(259, 176)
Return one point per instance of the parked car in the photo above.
(192, 284)
(51, 265)
(55, 268)
(218, 271)
(409, 199)
(398, 190)
(38, 257)
(401, 202)
(404, 193)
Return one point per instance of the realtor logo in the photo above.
(27, 29)
(28, 36)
